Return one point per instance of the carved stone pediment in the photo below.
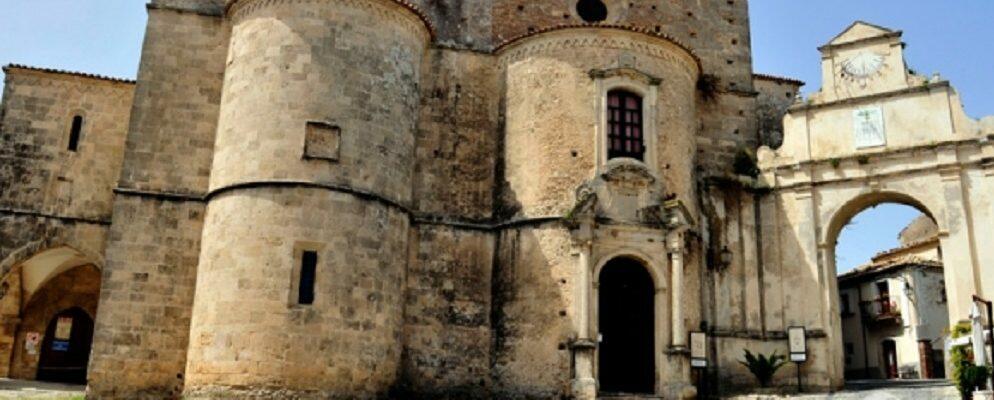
(629, 173)
(625, 191)
(628, 73)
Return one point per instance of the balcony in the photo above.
(882, 310)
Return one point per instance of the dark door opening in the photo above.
(890, 358)
(65, 350)
(626, 322)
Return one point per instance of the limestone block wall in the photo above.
(38, 172)
(458, 136)
(552, 111)
(142, 328)
(250, 337)
(447, 332)
(534, 295)
(354, 66)
(717, 30)
(776, 95)
(315, 152)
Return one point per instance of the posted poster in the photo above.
(797, 341)
(698, 350)
(31, 341)
(63, 328)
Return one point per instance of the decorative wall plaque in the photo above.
(869, 127)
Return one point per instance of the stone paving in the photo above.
(16, 389)
(876, 390)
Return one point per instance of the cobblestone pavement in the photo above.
(15, 389)
(877, 390)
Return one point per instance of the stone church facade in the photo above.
(447, 199)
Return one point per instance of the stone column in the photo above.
(676, 250)
(584, 384)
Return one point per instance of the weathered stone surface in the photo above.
(459, 196)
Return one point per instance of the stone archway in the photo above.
(626, 321)
(39, 289)
(854, 328)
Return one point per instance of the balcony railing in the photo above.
(882, 309)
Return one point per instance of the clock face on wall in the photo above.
(862, 67)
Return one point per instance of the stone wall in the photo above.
(447, 316)
(457, 137)
(38, 172)
(533, 298)
(554, 107)
(142, 329)
(776, 95)
(315, 152)
(250, 337)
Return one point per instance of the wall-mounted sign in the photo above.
(797, 343)
(869, 127)
(698, 350)
(63, 328)
(31, 341)
(60, 345)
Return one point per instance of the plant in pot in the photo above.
(966, 374)
(763, 367)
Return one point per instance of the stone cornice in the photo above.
(165, 7)
(64, 218)
(502, 48)
(884, 37)
(779, 79)
(13, 67)
(888, 153)
(232, 6)
(803, 107)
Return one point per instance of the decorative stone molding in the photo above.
(630, 74)
(546, 41)
(415, 20)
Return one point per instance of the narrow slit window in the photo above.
(308, 273)
(625, 133)
(74, 132)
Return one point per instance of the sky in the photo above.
(870, 232)
(955, 38)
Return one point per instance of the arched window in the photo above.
(74, 132)
(624, 124)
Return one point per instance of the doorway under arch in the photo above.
(626, 320)
(65, 352)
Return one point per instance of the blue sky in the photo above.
(951, 37)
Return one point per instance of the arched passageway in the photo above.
(890, 289)
(626, 322)
(48, 309)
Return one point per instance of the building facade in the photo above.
(446, 199)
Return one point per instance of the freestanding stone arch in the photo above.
(894, 137)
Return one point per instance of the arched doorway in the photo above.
(626, 320)
(65, 352)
